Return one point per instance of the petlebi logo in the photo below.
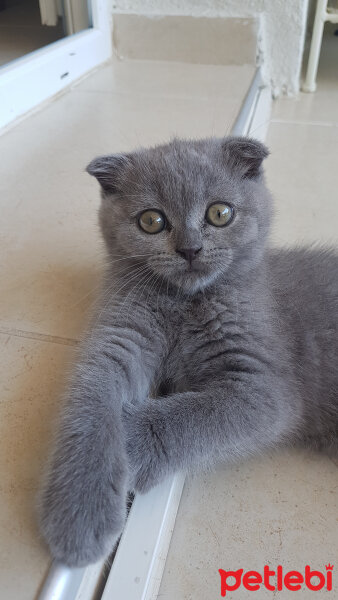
(276, 580)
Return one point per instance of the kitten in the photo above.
(211, 348)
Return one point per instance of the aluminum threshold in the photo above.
(138, 565)
(61, 582)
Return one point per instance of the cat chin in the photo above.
(193, 281)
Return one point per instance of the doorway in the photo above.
(27, 25)
(45, 45)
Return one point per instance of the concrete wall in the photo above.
(281, 33)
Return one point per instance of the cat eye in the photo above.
(219, 214)
(151, 221)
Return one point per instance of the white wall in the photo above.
(282, 29)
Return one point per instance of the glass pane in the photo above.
(27, 25)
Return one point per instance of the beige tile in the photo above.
(32, 375)
(50, 248)
(322, 104)
(201, 40)
(319, 107)
(276, 510)
(301, 174)
(50, 242)
(161, 78)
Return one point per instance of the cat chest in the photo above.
(207, 336)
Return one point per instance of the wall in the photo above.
(281, 37)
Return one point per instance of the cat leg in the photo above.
(82, 505)
(241, 416)
(82, 502)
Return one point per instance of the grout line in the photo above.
(291, 122)
(180, 96)
(41, 337)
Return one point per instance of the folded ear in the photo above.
(244, 156)
(109, 170)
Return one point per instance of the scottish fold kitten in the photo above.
(207, 346)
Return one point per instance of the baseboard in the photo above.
(202, 40)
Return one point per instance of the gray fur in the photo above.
(188, 366)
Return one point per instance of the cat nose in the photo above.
(188, 253)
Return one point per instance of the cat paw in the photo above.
(147, 456)
(82, 518)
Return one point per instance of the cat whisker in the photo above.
(94, 289)
(129, 257)
(147, 283)
(158, 296)
(135, 272)
(151, 288)
(131, 295)
(142, 285)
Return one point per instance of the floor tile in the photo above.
(171, 79)
(301, 175)
(32, 376)
(273, 510)
(321, 105)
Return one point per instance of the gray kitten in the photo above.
(211, 348)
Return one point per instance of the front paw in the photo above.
(82, 513)
(147, 455)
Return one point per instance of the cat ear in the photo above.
(108, 170)
(244, 155)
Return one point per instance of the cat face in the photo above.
(190, 211)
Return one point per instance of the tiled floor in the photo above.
(51, 255)
(279, 509)
(31, 380)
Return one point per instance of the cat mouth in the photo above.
(196, 268)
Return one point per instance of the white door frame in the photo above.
(28, 81)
